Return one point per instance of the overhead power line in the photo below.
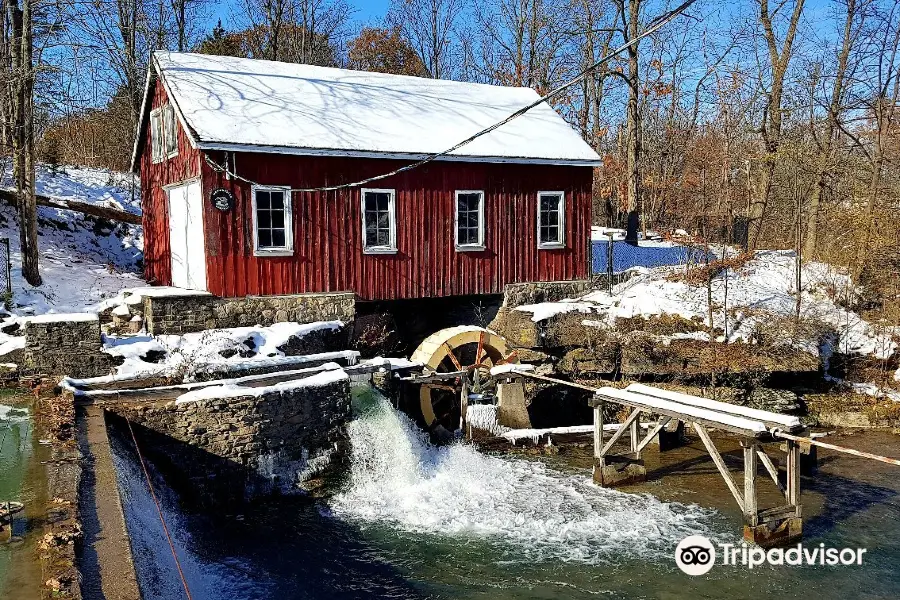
(652, 27)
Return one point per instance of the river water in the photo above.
(410, 520)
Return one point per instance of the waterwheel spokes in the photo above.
(471, 352)
(512, 357)
(440, 386)
(453, 358)
(480, 348)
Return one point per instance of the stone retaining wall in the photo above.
(237, 446)
(576, 344)
(66, 345)
(191, 313)
(534, 292)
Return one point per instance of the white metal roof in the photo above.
(242, 104)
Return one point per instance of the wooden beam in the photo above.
(681, 416)
(626, 426)
(171, 392)
(770, 467)
(720, 464)
(778, 512)
(663, 421)
(634, 437)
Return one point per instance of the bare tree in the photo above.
(428, 25)
(22, 76)
(301, 31)
(778, 54)
(629, 20)
(882, 108)
(827, 141)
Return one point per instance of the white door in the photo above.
(186, 237)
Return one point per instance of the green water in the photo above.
(17, 457)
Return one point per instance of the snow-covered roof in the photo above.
(240, 104)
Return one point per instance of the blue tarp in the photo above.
(627, 256)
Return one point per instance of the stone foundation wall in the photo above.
(65, 345)
(240, 446)
(191, 313)
(534, 292)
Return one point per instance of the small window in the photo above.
(163, 133)
(551, 219)
(157, 137)
(272, 231)
(379, 221)
(171, 131)
(469, 220)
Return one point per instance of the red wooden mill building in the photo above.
(229, 148)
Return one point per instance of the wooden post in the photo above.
(598, 434)
(634, 437)
(793, 476)
(463, 404)
(751, 511)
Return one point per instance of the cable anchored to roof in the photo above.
(654, 26)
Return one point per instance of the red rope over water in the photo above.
(162, 519)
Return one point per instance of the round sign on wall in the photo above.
(222, 199)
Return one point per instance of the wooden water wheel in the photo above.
(468, 351)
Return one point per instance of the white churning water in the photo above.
(400, 480)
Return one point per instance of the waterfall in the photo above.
(398, 479)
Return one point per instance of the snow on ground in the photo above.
(762, 289)
(203, 350)
(81, 264)
(102, 187)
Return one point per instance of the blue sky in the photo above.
(367, 11)
(816, 12)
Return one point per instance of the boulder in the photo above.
(600, 360)
(780, 401)
(517, 328)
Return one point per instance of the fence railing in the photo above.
(5, 272)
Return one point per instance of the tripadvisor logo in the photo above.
(696, 555)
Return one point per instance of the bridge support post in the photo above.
(669, 440)
(511, 409)
(612, 470)
(781, 525)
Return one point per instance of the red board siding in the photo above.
(328, 252)
(154, 178)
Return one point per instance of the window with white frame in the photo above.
(157, 137)
(163, 133)
(469, 220)
(272, 232)
(171, 131)
(551, 218)
(379, 221)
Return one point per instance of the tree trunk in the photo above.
(23, 146)
(871, 205)
(772, 118)
(825, 152)
(633, 128)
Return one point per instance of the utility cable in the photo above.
(652, 27)
(162, 519)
